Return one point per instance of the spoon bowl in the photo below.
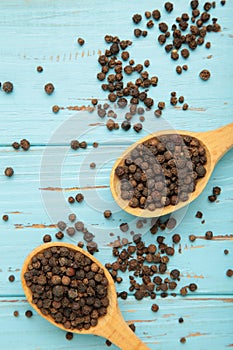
(111, 326)
(216, 143)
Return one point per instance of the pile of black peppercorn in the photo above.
(147, 263)
(118, 91)
(68, 286)
(161, 171)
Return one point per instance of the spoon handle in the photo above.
(119, 333)
(219, 141)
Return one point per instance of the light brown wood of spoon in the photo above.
(111, 326)
(216, 142)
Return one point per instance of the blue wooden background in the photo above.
(44, 33)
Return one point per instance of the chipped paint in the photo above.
(20, 226)
(197, 334)
(199, 109)
(67, 189)
(228, 237)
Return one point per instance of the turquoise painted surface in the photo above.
(45, 33)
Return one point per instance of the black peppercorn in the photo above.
(9, 172)
(7, 87)
(49, 88)
(81, 41)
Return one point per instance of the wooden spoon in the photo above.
(111, 326)
(216, 142)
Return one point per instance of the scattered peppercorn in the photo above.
(199, 214)
(55, 109)
(7, 87)
(49, 88)
(15, 145)
(216, 190)
(107, 214)
(69, 335)
(204, 74)
(59, 235)
(168, 7)
(47, 238)
(154, 308)
(39, 69)
(180, 320)
(5, 217)
(81, 41)
(137, 18)
(11, 278)
(9, 172)
(16, 313)
(71, 200)
(25, 144)
(229, 273)
(212, 198)
(226, 251)
(183, 340)
(28, 313)
(209, 235)
(79, 197)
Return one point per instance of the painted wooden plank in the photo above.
(41, 32)
(158, 330)
(65, 65)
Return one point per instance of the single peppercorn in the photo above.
(74, 144)
(168, 7)
(15, 145)
(216, 190)
(5, 217)
(25, 144)
(137, 18)
(47, 238)
(204, 74)
(16, 313)
(209, 235)
(59, 235)
(9, 172)
(185, 107)
(158, 113)
(178, 69)
(107, 214)
(92, 165)
(83, 144)
(28, 313)
(49, 88)
(11, 278)
(79, 197)
(212, 198)
(229, 273)
(71, 200)
(7, 87)
(55, 109)
(154, 308)
(199, 214)
(39, 69)
(183, 340)
(180, 320)
(81, 41)
(69, 335)
(176, 238)
(226, 251)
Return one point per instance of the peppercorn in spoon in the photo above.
(167, 170)
(72, 290)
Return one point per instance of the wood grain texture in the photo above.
(42, 32)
